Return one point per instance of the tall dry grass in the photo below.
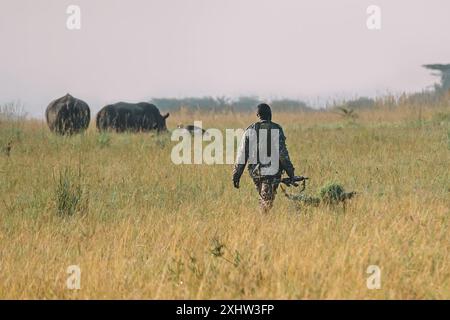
(151, 229)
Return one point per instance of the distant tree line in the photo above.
(224, 104)
(438, 96)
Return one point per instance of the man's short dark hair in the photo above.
(264, 112)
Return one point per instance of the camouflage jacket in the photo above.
(250, 154)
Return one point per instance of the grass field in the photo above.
(146, 228)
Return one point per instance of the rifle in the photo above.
(293, 181)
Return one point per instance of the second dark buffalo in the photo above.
(134, 117)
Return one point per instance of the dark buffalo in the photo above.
(133, 117)
(68, 115)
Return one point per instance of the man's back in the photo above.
(263, 149)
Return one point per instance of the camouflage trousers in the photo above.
(267, 191)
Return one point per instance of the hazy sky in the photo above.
(133, 50)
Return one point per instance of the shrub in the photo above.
(104, 140)
(333, 193)
(70, 197)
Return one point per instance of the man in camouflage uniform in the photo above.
(269, 137)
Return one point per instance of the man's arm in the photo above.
(241, 160)
(285, 161)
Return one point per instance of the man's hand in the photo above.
(290, 180)
(291, 175)
(236, 183)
